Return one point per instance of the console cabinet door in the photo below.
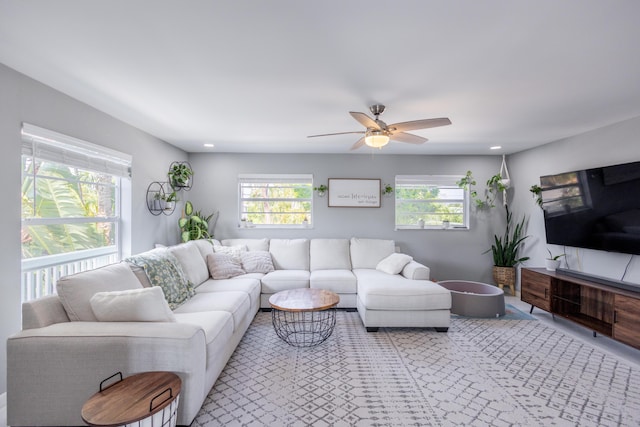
(627, 320)
(536, 289)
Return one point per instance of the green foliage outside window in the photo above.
(58, 203)
(276, 203)
(430, 203)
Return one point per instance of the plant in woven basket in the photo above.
(505, 248)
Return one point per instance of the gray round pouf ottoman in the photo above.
(475, 299)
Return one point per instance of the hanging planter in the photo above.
(180, 175)
(321, 190)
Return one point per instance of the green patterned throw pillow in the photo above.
(164, 270)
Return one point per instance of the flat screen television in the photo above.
(596, 208)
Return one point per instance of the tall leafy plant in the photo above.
(506, 247)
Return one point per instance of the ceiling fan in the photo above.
(378, 133)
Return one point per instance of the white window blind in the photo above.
(56, 147)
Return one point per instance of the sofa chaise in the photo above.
(115, 319)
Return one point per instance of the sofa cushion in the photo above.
(381, 291)
(237, 303)
(205, 246)
(290, 254)
(283, 280)
(367, 253)
(224, 266)
(394, 263)
(134, 305)
(76, 290)
(217, 325)
(338, 281)
(250, 286)
(251, 244)
(164, 270)
(257, 262)
(329, 254)
(191, 261)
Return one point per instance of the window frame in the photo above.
(275, 179)
(42, 146)
(440, 181)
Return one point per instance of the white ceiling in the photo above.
(259, 76)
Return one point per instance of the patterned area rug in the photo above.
(482, 372)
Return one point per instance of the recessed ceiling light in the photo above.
(495, 147)
(208, 145)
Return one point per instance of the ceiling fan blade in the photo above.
(365, 120)
(359, 143)
(407, 137)
(331, 134)
(419, 124)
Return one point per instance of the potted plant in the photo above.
(553, 262)
(505, 252)
(170, 201)
(180, 174)
(321, 189)
(156, 201)
(387, 190)
(193, 225)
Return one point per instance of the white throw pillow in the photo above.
(135, 305)
(76, 290)
(230, 250)
(257, 262)
(394, 263)
(224, 266)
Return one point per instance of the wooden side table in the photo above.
(147, 398)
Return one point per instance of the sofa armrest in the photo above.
(52, 371)
(416, 271)
(42, 312)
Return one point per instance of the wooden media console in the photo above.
(604, 308)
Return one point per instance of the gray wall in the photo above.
(609, 145)
(25, 100)
(452, 254)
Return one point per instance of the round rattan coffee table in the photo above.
(304, 317)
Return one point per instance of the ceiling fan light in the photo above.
(376, 138)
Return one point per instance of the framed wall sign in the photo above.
(354, 193)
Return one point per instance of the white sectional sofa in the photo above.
(109, 320)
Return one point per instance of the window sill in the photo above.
(427, 228)
(275, 227)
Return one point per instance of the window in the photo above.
(435, 199)
(70, 207)
(278, 201)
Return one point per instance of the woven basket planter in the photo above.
(505, 276)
